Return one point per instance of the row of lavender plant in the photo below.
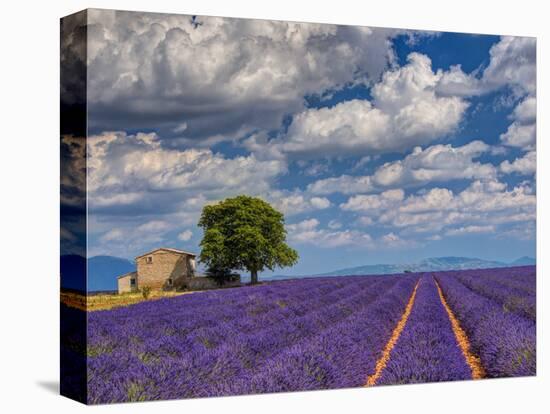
(237, 304)
(269, 331)
(505, 342)
(427, 349)
(188, 352)
(522, 278)
(193, 361)
(244, 309)
(343, 355)
(265, 333)
(512, 299)
(169, 324)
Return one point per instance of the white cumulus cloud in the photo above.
(437, 163)
(185, 235)
(207, 77)
(308, 232)
(482, 204)
(522, 131)
(136, 170)
(405, 112)
(525, 165)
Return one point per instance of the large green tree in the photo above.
(244, 233)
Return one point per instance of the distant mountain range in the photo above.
(431, 264)
(104, 270)
(524, 261)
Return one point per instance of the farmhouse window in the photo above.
(149, 259)
(132, 282)
(169, 282)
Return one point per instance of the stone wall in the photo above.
(163, 267)
(204, 283)
(167, 270)
(124, 284)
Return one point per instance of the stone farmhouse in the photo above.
(163, 269)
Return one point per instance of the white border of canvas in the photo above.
(29, 160)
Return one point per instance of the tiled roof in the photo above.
(169, 250)
(127, 274)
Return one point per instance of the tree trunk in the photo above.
(254, 277)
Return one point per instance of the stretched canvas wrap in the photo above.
(256, 206)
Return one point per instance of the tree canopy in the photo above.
(244, 233)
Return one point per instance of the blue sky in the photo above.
(379, 145)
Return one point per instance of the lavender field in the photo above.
(318, 333)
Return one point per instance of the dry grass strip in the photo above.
(109, 301)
